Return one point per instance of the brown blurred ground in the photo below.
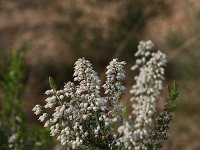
(56, 33)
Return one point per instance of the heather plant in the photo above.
(83, 118)
(15, 133)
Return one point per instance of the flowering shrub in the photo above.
(82, 118)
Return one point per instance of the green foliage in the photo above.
(41, 138)
(161, 129)
(186, 69)
(12, 116)
(175, 39)
(52, 83)
(11, 88)
(173, 94)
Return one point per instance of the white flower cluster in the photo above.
(145, 93)
(115, 76)
(82, 119)
(12, 139)
(126, 140)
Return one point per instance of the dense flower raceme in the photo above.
(146, 92)
(82, 119)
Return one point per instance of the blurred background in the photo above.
(55, 34)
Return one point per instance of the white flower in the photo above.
(43, 117)
(13, 138)
(48, 92)
(37, 109)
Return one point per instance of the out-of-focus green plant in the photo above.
(174, 39)
(14, 131)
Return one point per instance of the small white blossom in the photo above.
(48, 92)
(12, 139)
(37, 109)
(43, 117)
